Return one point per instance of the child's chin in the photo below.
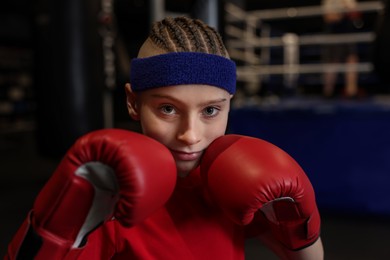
(184, 168)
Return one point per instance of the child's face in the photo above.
(185, 118)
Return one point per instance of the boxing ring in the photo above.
(343, 145)
(250, 41)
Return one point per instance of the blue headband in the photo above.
(183, 68)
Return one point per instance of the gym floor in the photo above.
(23, 173)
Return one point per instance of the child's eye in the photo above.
(211, 111)
(167, 109)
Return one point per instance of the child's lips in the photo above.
(185, 156)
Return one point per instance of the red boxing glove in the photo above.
(106, 173)
(255, 181)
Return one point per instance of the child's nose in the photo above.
(190, 132)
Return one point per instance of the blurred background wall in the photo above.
(63, 65)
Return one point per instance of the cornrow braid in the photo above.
(183, 34)
(158, 36)
(217, 38)
(176, 34)
(193, 45)
(200, 39)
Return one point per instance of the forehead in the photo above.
(187, 93)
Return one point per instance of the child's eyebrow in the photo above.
(214, 101)
(208, 102)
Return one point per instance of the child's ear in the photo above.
(131, 102)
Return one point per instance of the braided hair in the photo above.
(183, 34)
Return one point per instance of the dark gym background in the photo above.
(53, 88)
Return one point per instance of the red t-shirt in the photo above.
(188, 227)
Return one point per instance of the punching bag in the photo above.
(381, 57)
(68, 73)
